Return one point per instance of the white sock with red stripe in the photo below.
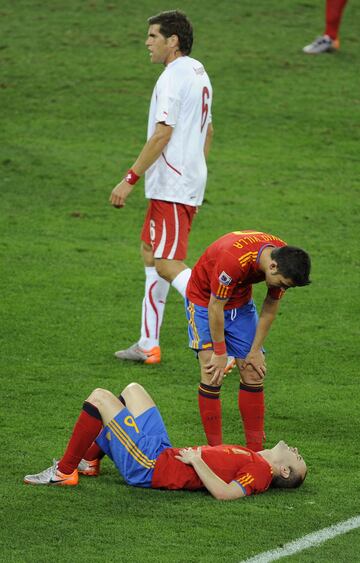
(156, 290)
(181, 281)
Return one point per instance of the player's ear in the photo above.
(273, 267)
(285, 471)
(173, 40)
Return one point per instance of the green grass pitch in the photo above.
(74, 91)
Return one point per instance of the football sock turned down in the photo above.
(210, 412)
(334, 10)
(252, 410)
(86, 429)
(153, 305)
(94, 452)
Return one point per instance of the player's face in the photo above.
(273, 278)
(160, 47)
(289, 456)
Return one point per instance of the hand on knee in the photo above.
(250, 376)
(256, 360)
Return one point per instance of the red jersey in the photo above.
(229, 267)
(231, 463)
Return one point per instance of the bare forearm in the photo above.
(267, 316)
(216, 323)
(216, 319)
(216, 486)
(149, 154)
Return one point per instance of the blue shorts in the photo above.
(134, 444)
(240, 328)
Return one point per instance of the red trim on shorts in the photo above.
(170, 166)
(160, 211)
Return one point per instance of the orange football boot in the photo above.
(52, 476)
(137, 354)
(91, 467)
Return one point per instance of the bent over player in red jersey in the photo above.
(135, 438)
(222, 320)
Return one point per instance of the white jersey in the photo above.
(182, 99)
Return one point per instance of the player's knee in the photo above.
(250, 376)
(205, 377)
(162, 268)
(131, 390)
(204, 358)
(98, 397)
(132, 387)
(137, 399)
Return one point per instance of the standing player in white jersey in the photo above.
(174, 162)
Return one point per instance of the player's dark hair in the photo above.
(175, 22)
(293, 481)
(293, 263)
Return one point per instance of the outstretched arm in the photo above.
(214, 484)
(150, 152)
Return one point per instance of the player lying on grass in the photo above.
(135, 438)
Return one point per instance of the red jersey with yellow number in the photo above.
(229, 267)
(229, 462)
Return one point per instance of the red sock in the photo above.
(210, 412)
(334, 10)
(94, 452)
(252, 410)
(86, 429)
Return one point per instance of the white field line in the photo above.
(305, 542)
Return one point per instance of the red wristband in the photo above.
(219, 348)
(131, 177)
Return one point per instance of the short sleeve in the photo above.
(168, 102)
(254, 478)
(225, 276)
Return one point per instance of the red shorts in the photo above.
(166, 227)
